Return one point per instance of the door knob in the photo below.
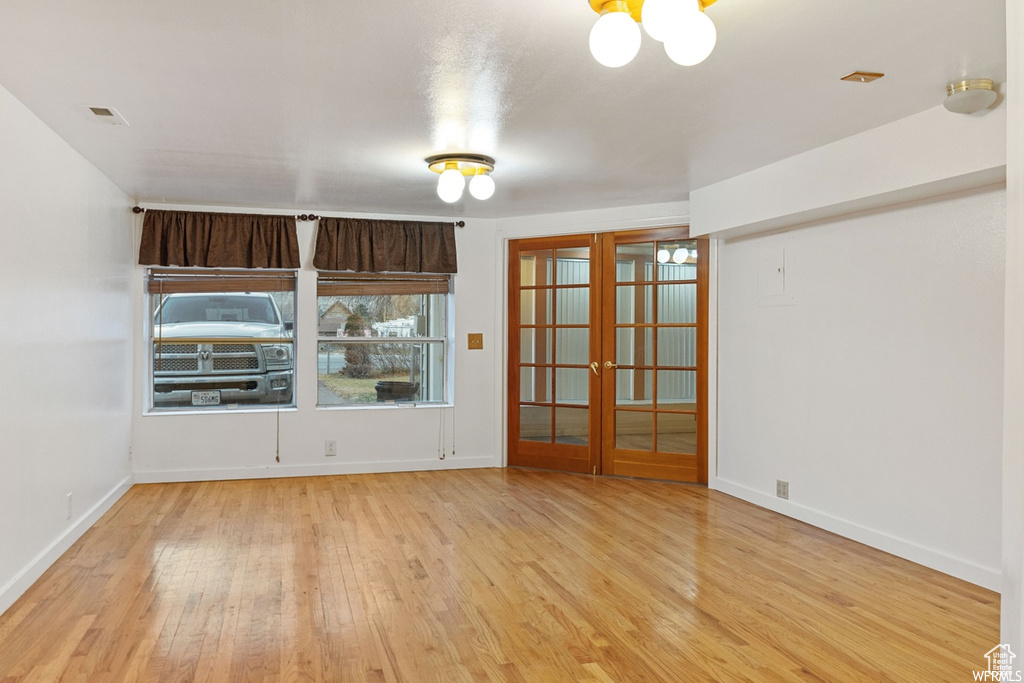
(593, 366)
(608, 365)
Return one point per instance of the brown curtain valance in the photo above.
(380, 246)
(218, 240)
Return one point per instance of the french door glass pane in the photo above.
(535, 423)
(634, 430)
(677, 389)
(572, 306)
(535, 385)
(677, 303)
(677, 346)
(572, 385)
(634, 387)
(573, 267)
(678, 260)
(629, 310)
(535, 268)
(535, 307)
(634, 346)
(572, 345)
(535, 345)
(633, 262)
(571, 425)
(677, 432)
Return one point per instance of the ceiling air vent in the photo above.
(107, 115)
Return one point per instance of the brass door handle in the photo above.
(608, 365)
(593, 366)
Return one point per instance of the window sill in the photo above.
(220, 411)
(392, 405)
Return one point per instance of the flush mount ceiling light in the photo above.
(967, 97)
(688, 33)
(454, 168)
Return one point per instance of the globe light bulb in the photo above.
(662, 18)
(664, 255)
(680, 255)
(481, 186)
(694, 254)
(615, 39)
(450, 185)
(693, 41)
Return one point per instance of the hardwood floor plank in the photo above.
(486, 575)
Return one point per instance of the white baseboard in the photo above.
(268, 472)
(17, 586)
(985, 577)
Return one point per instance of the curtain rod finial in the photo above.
(460, 224)
(138, 209)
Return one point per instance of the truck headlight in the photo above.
(278, 356)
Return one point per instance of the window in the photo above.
(221, 339)
(382, 338)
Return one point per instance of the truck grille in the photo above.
(205, 359)
(175, 348)
(163, 364)
(246, 363)
(232, 348)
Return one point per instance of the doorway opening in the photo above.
(608, 354)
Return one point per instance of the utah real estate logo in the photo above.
(1000, 665)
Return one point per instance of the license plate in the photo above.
(206, 398)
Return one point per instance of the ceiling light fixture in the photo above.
(453, 170)
(968, 97)
(688, 33)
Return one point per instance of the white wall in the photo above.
(928, 154)
(1012, 606)
(223, 445)
(65, 320)
(873, 383)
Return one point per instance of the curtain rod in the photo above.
(299, 217)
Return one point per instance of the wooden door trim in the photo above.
(703, 313)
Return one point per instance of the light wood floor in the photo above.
(485, 575)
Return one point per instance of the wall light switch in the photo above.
(476, 340)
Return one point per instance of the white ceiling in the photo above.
(332, 105)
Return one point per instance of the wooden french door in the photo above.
(554, 420)
(608, 353)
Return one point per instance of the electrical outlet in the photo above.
(69, 508)
(330, 448)
(782, 489)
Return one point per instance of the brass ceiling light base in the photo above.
(467, 164)
(634, 6)
(970, 96)
(862, 76)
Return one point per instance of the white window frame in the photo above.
(335, 283)
(159, 280)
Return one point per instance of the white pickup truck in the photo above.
(221, 349)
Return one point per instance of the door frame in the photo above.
(707, 452)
